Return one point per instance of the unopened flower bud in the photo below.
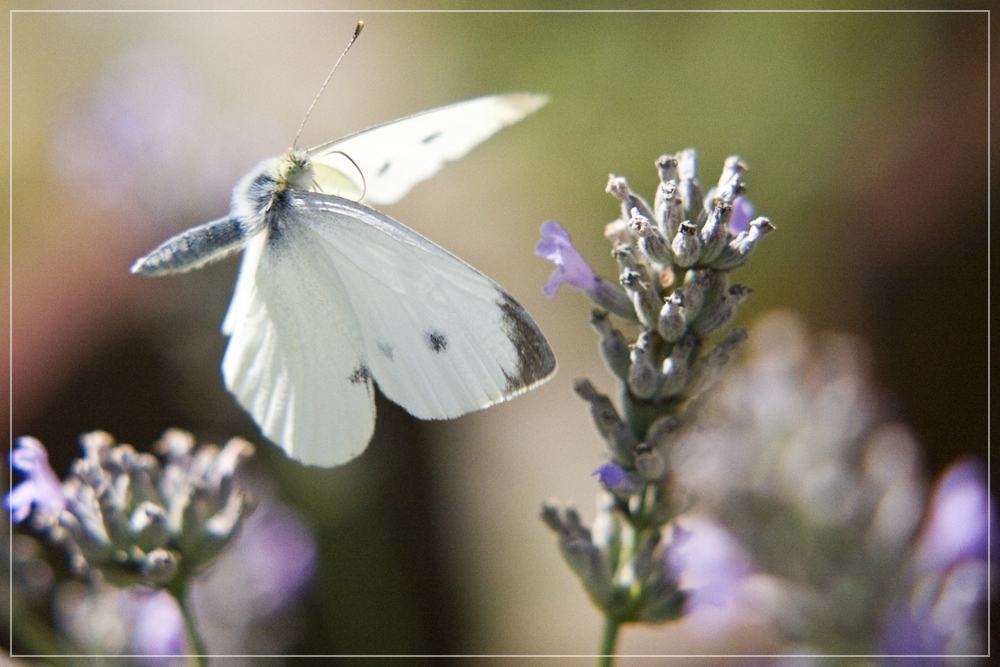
(719, 313)
(738, 251)
(730, 182)
(650, 464)
(706, 370)
(614, 348)
(149, 526)
(643, 375)
(646, 301)
(675, 367)
(668, 209)
(686, 246)
(688, 187)
(618, 187)
(580, 553)
(652, 243)
(698, 287)
(671, 323)
(714, 233)
(158, 567)
(621, 441)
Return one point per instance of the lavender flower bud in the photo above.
(672, 324)
(686, 246)
(714, 233)
(579, 551)
(719, 313)
(688, 187)
(652, 243)
(675, 367)
(730, 182)
(643, 376)
(618, 187)
(158, 567)
(738, 251)
(668, 208)
(614, 349)
(621, 441)
(646, 301)
(698, 287)
(706, 370)
(650, 464)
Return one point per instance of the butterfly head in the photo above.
(293, 171)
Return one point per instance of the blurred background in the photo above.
(866, 137)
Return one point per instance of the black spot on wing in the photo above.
(384, 168)
(436, 340)
(430, 137)
(386, 350)
(360, 375)
(535, 359)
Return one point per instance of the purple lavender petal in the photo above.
(743, 212)
(571, 267)
(40, 488)
(617, 480)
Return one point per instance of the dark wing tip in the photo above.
(536, 362)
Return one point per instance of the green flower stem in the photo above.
(181, 591)
(606, 655)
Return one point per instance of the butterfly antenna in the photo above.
(357, 31)
(364, 182)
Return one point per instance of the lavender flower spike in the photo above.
(41, 487)
(572, 269)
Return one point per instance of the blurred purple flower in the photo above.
(278, 554)
(959, 521)
(944, 614)
(616, 479)
(710, 565)
(571, 267)
(743, 212)
(158, 625)
(245, 602)
(41, 487)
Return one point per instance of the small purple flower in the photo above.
(571, 267)
(617, 480)
(743, 212)
(40, 488)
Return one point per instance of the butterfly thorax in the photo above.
(260, 194)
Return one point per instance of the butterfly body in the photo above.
(334, 296)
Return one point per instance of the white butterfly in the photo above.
(332, 294)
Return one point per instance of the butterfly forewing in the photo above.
(396, 156)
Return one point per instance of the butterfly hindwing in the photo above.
(294, 359)
(439, 337)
